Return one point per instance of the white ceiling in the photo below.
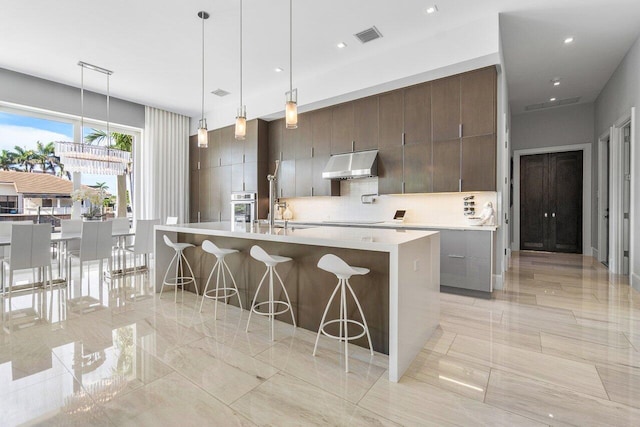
(154, 47)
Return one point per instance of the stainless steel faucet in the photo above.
(272, 183)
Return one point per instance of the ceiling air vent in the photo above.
(368, 35)
(549, 104)
(220, 92)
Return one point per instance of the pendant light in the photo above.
(203, 136)
(241, 118)
(291, 106)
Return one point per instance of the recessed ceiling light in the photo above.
(552, 99)
(278, 70)
(341, 45)
(431, 9)
(568, 40)
(556, 83)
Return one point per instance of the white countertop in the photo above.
(372, 239)
(393, 225)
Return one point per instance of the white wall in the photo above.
(622, 92)
(22, 89)
(553, 127)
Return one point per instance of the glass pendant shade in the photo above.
(291, 109)
(203, 134)
(241, 123)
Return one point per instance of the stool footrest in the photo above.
(222, 293)
(275, 313)
(179, 281)
(350, 337)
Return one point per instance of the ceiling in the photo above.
(154, 47)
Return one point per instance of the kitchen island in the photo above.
(400, 295)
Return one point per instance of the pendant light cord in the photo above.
(82, 107)
(108, 123)
(291, 47)
(241, 54)
(202, 118)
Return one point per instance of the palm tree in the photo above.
(44, 155)
(6, 160)
(24, 158)
(120, 141)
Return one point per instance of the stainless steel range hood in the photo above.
(361, 164)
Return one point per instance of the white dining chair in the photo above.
(119, 241)
(143, 240)
(172, 220)
(70, 229)
(95, 245)
(30, 249)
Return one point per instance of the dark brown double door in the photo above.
(551, 202)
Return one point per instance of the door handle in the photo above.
(457, 256)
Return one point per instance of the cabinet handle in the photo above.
(311, 151)
(311, 191)
(198, 165)
(243, 160)
(353, 146)
(281, 192)
(457, 256)
(545, 215)
(243, 189)
(460, 184)
(219, 216)
(198, 216)
(281, 156)
(219, 161)
(553, 215)
(402, 187)
(460, 130)
(404, 138)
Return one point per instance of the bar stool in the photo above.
(180, 279)
(343, 272)
(219, 266)
(270, 261)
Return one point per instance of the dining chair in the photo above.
(119, 242)
(30, 250)
(70, 228)
(95, 245)
(143, 240)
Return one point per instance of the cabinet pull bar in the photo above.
(243, 160)
(553, 215)
(198, 216)
(403, 138)
(198, 165)
(460, 184)
(457, 256)
(402, 187)
(546, 215)
(460, 130)
(311, 151)
(353, 146)
(219, 215)
(311, 191)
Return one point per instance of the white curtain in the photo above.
(161, 172)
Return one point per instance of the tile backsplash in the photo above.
(432, 208)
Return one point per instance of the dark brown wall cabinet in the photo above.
(432, 137)
(227, 166)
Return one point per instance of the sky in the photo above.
(25, 131)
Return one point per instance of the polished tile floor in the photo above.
(559, 346)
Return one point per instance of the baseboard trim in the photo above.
(465, 292)
(498, 282)
(635, 281)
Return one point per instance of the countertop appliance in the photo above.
(243, 207)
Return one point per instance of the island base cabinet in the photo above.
(465, 260)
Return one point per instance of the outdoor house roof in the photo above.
(33, 184)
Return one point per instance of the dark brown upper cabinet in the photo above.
(365, 123)
(446, 165)
(390, 119)
(478, 171)
(418, 175)
(342, 128)
(417, 114)
(390, 170)
(321, 131)
(478, 102)
(445, 108)
(303, 137)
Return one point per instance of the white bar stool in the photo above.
(270, 261)
(343, 272)
(220, 267)
(180, 279)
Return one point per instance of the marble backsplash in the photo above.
(432, 208)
